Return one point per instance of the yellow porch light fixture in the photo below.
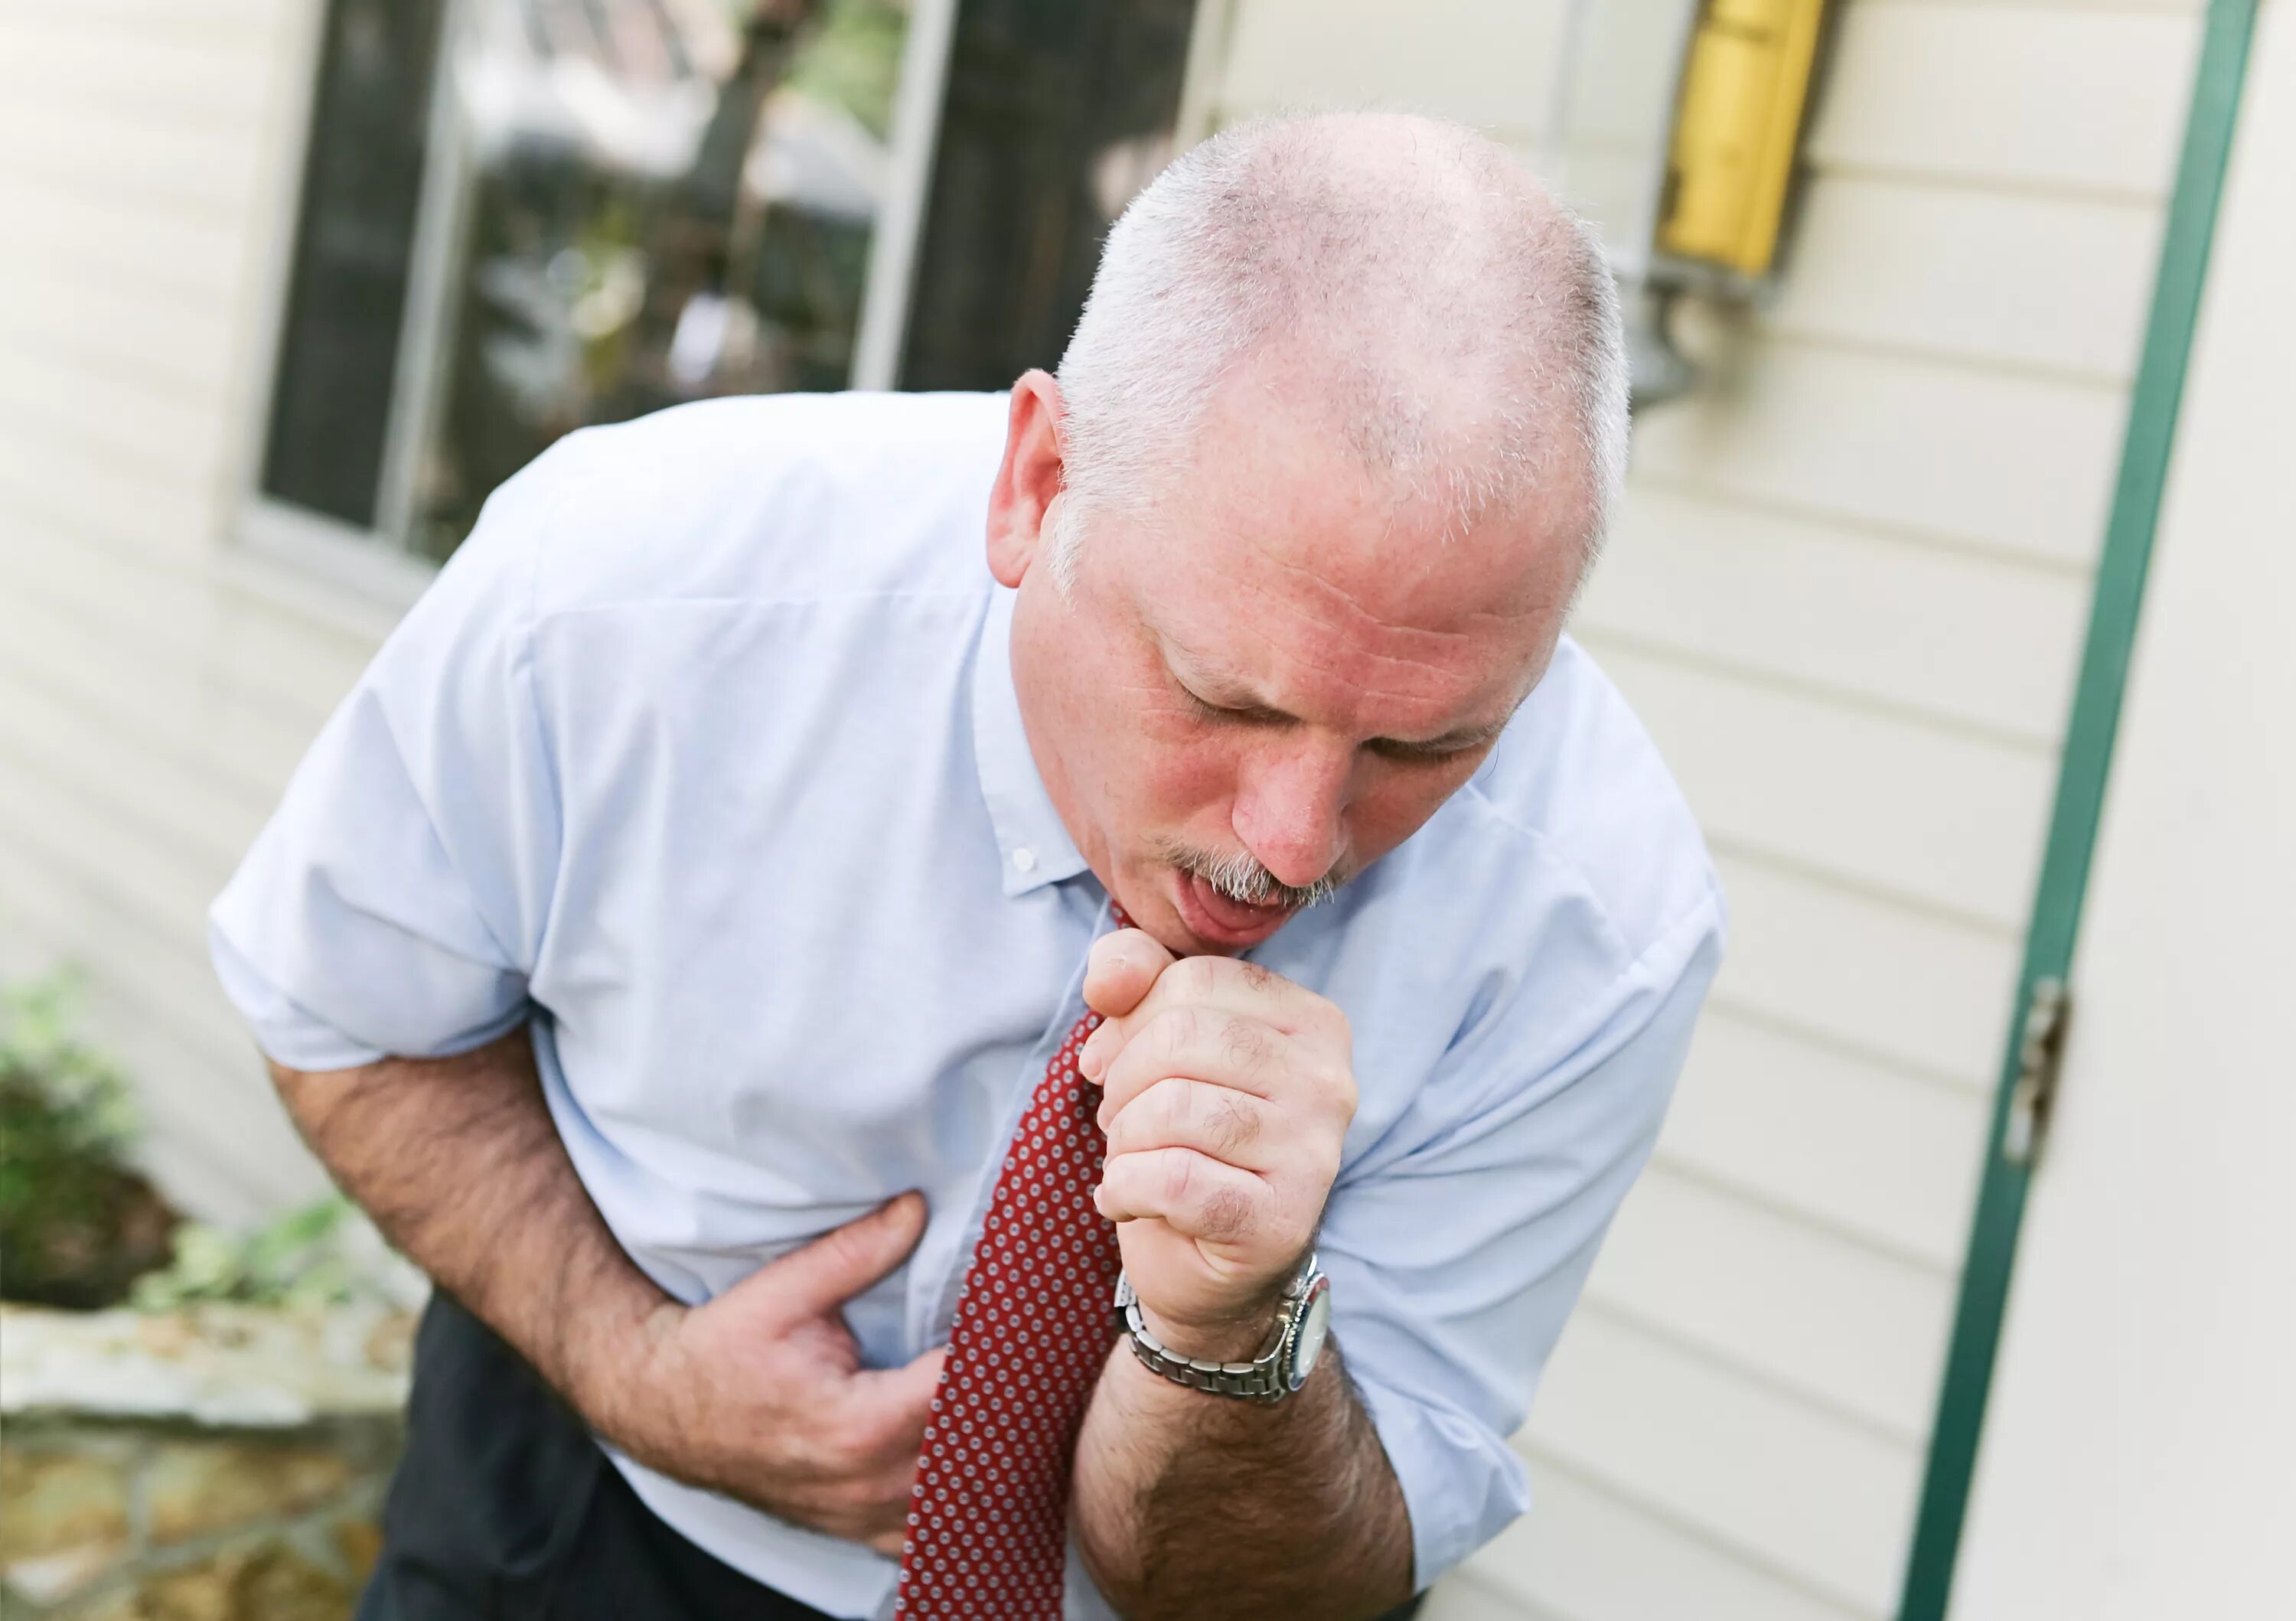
(1737, 129)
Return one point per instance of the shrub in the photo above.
(77, 1225)
(319, 1254)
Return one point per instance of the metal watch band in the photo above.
(1261, 1379)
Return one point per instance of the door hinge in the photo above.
(2040, 1054)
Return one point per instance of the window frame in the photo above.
(377, 563)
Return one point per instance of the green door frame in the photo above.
(2085, 767)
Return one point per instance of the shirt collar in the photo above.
(1033, 844)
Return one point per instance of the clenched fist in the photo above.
(1226, 1093)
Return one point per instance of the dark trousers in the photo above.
(505, 1510)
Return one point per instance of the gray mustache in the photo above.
(1241, 878)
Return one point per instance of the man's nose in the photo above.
(1291, 809)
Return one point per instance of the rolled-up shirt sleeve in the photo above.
(395, 902)
(1454, 1263)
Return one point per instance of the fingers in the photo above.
(1219, 1122)
(873, 1509)
(1123, 967)
(1191, 1192)
(1220, 983)
(778, 1412)
(886, 1430)
(856, 1457)
(891, 1405)
(822, 1275)
(1194, 1043)
(1243, 988)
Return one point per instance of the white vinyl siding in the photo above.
(2137, 1462)
(1846, 591)
(154, 691)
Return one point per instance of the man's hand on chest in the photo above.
(762, 1394)
(1227, 1092)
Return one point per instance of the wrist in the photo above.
(1240, 1337)
(622, 1376)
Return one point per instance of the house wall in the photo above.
(156, 684)
(1846, 594)
(2137, 1461)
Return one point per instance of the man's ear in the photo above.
(1028, 481)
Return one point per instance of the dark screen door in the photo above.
(1056, 113)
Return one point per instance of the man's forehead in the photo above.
(1378, 574)
(1454, 690)
(1443, 445)
(1276, 503)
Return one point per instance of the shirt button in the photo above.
(1025, 859)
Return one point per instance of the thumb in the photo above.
(1121, 968)
(900, 1397)
(819, 1276)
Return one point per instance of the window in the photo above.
(522, 217)
(362, 184)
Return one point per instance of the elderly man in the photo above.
(896, 1066)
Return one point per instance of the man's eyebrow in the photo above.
(1196, 670)
(1232, 692)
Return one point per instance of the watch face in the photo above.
(1314, 1328)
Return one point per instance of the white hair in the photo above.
(1462, 326)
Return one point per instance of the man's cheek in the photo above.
(1188, 786)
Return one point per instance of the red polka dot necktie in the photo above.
(988, 1521)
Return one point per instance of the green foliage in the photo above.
(84, 1094)
(76, 1223)
(304, 1257)
(851, 58)
(79, 1228)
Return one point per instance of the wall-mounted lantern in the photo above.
(1677, 125)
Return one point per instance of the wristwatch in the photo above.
(1303, 1321)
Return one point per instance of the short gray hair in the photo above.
(1464, 325)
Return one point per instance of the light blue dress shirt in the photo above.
(703, 752)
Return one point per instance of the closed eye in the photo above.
(1421, 754)
(1250, 715)
(1439, 751)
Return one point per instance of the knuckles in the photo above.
(1172, 1033)
(1245, 1045)
(1231, 1123)
(1178, 1170)
(1226, 1217)
(1185, 1012)
(1194, 979)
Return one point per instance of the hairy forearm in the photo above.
(1190, 1505)
(459, 1163)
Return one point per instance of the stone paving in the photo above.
(222, 1463)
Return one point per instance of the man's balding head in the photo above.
(1398, 284)
(1311, 495)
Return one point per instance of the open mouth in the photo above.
(1212, 917)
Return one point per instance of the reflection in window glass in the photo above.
(347, 289)
(1056, 115)
(669, 199)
